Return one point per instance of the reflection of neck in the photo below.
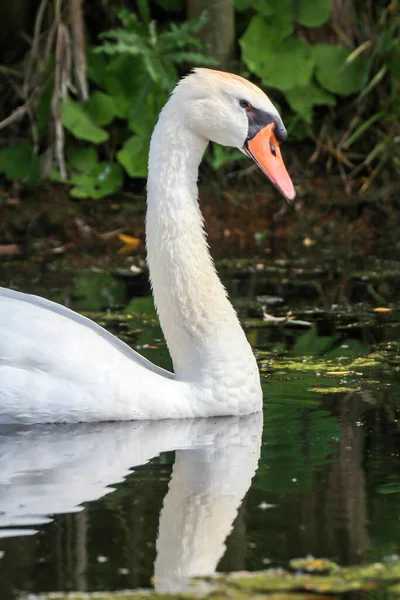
(198, 321)
(205, 492)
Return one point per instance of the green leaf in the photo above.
(222, 156)
(101, 108)
(133, 156)
(312, 14)
(104, 179)
(283, 63)
(334, 73)
(77, 121)
(302, 99)
(124, 81)
(82, 159)
(20, 163)
(144, 112)
(97, 65)
(142, 305)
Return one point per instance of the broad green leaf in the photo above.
(82, 159)
(280, 63)
(104, 179)
(97, 66)
(302, 99)
(101, 108)
(333, 73)
(144, 111)
(133, 156)
(222, 156)
(80, 123)
(124, 81)
(311, 14)
(20, 163)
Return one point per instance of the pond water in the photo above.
(104, 507)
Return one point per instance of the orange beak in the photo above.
(264, 149)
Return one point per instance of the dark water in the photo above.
(81, 507)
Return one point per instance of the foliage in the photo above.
(307, 75)
(343, 95)
(320, 74)
(136, 68)
(18, 162)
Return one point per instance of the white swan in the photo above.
(57, 366)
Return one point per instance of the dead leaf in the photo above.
(308, 242)
(10, 249)
(130, 243)
(382, 309)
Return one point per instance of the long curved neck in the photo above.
(198, 321)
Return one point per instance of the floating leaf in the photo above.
(142, 305)
(130, 243)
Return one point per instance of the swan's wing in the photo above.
(58, 309)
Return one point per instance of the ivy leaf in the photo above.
(334, 73)
(101, 108)
(78, 122)
(302, 99)
(282, 63)
(104, 179)
(133, 156)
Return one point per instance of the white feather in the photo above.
(57, 366)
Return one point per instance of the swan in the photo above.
(57, 366)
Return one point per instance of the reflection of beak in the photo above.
(264, 149)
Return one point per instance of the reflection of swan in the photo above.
(56, 366)
(53, 469)
(205, 492)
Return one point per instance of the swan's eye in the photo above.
(245, 104)
(272, 148)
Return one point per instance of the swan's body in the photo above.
(56, 366)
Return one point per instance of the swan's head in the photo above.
(231, 111)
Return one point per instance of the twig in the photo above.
(18, 113)
(78, 37)
(35, 43)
